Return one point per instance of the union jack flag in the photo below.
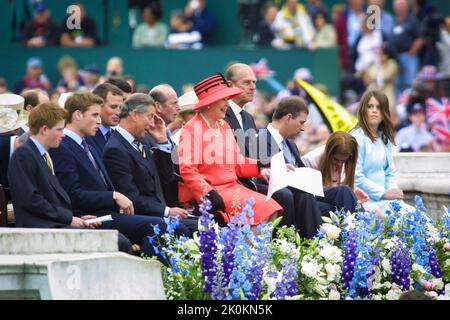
(438, 114)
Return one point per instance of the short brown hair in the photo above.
(31, 98)
(81, 101)
(293, 105)
(102, 90)
(45, 114)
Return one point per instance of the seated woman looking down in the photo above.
(337, 162)
(210, 161)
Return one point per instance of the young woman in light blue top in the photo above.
(375, 173)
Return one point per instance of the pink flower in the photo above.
(447, 246)
(429, 285)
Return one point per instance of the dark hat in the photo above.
(92, 69)
(40, 7)
(416, 107)
(213, 89)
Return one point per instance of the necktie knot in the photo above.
(108, 134)
(85, 145)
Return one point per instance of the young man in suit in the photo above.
(300, 208)
(288, 121)
(109, 114)
(38, 198)
(83, 175)
(131, 163)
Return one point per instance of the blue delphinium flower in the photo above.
(287, 286)
(229, 237)
(401, 267)
(350, 253)
(434, 264)
(240, 284)
(368, 236)
(259, 259)
(414, 234)
(208, 246)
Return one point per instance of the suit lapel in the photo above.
(134, 153)
(249, 119)
(99, 139)
(101, 166)
(50, 177)
(79, 153)
(295, 153)
(230, 117)
(149, 163)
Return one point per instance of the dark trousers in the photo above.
(337, 198)
(300, 209)
(137, 228)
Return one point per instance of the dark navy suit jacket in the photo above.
(249, 139)
(5, 143)
(38, 198)
(98, 141)
(136, 177)
(81, 180)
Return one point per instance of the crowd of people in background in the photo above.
(406, 55)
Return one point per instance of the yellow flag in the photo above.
(337, 116)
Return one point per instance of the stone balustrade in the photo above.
(427, 175)
(73, 264)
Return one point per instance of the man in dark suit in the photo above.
(287, 122)
(167, 108)
(300, 208)
(109, 114)
(131, 163)
(82, 174)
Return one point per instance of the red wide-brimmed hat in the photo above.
(213, 89)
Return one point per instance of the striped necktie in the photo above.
(141, 148)
(108, 134)
(49, 161)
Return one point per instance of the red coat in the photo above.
(208, 161)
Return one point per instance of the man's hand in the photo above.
(77, 223)
(393, 193)
(290, 167)
(265, 174)
(158, 130)
(123, 202)
(175, 211)
(91, 225)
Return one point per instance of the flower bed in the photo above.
(354, 256)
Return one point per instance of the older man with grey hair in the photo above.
(166, 103)
(167, 107)
(135, 168)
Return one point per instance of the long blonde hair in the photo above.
(339, 143)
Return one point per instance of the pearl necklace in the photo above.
(215, 132)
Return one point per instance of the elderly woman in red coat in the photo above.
(210, 161)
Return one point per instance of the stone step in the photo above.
(81, 276)
(45, 241)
